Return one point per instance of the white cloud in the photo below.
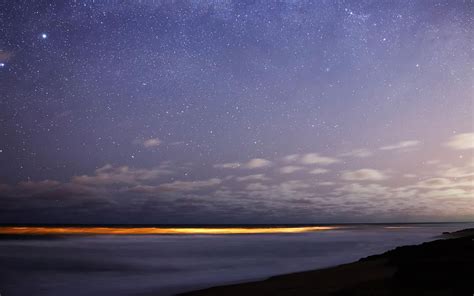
(315, 158)
(176, 186)
(144, 189)
(254, 163)
(401, 145)
(291, 158)
(283, 192)
(256, 177)
(228, 165)
(257, 163)
(256, 187)
(364, 191)
(289, 169)
(293, 185)
(461, 141)
(109, 174)
(434, 183)
(457, 172)
(310, 158)
(325, 183)
(153, 142)
(318, 171)
(439, 183)
(360, 153)
(190, 185)
(448, 193)
(364, 175)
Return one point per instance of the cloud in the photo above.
(190, 185)
(256, 177)
(360, 153)
(228, 165)
(325, 183)
(448, 193)
(109, 174)
(282, 189)
(318, 171)
(254, 163)
(364, 175)
(310, 158)
(283, 193)
(434, 183)
(153, 142)
(401, 145)
(293, 185)
(144, 189)
(289, 169)
(439, 183)
(291, 158)
(461, 141)
(50, 189)
(364, 191)
(256, 187)
(257, 163)
(40, 186)
(457, 172)
(315, 158)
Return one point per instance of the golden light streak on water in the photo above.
(156, 230)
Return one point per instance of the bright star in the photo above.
(2, 65)
(44, 36)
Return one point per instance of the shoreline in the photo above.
(442, 266)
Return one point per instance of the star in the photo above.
(2, 65)
(44, 35)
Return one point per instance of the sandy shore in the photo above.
(441, 267)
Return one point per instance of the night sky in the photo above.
(236, 111)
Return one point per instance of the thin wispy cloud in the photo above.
(289, 169)
(461, 141)
(310, 159)
(360, 153)
(364, 175)
(401, 145)
(151, 143)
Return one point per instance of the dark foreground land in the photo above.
(441, 267)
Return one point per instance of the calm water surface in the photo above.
(169, 264)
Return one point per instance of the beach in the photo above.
(441, 267)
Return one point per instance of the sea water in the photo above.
(170, 264)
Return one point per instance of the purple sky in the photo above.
(235, 111)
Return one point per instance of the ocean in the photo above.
(163, 265)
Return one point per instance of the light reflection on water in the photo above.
(157, 230)
(164, 264)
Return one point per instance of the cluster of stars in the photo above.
(87, 83)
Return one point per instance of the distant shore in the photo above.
(440, 267)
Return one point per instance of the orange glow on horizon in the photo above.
(156, 230)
